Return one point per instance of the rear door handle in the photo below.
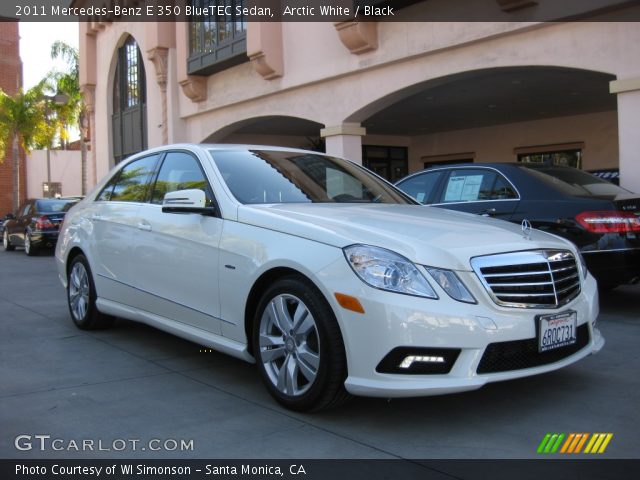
(96, 216)
(144, 226)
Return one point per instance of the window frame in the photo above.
(154, 178)
(124, 114)
(448, 171)
(113, 181)
(368, 159)
(442, 173)
(556, 149)
(228, 53)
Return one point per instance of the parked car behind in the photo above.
(330, 279)
(36, 225)
(4, 220)
(602, 219)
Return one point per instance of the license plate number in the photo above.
(557, 330)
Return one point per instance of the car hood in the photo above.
(424, 235)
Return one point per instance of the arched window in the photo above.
(129, 119)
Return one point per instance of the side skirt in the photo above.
(202, 337)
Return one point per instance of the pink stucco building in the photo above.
(394, 95)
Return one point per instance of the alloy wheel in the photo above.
(79, 291)
(289, 345)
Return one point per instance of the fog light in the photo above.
(419, 361)
(408, 361)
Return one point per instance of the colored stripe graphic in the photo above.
(573, 443)
(566, 445)
(551, 442)
(598, 443)
(543, 443)
(581, 443)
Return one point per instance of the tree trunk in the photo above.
(83, 151)
(15, 152)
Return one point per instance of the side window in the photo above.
(420, 187)
(105, 194)
(25, 210)
(133, 182)
(502, 190)
(468, 185)
(180, 171)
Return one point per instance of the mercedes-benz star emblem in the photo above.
(526, 229)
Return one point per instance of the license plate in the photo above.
(556, 331)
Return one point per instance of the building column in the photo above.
(628, 91)
(344, 141)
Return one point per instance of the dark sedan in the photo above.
(35, 225)
(601, 218)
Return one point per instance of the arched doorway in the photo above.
(129, 118)
(277, 130)
(534, 114)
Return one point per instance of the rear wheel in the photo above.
(6, 243)
(29, 248)
(81, 297)
(298, 346)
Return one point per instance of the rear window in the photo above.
(54, 206)
(576, 182)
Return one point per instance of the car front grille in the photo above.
(520, 354)
(529, 279)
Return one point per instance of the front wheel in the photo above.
(81, 297)
(6, 243)
(298, 346)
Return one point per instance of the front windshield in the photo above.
(265, 176)
(577, 182)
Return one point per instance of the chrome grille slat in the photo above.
(558, 292)
(555, 270)
(525, 295)
(529, 279)
(516, 274)
(528, 284)
(564, 279)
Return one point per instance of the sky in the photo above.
(36, 39)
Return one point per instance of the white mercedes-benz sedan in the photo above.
(330, 279)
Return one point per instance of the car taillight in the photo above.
(613, 221)
(43, 223)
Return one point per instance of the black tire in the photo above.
(81, 297)
(305, 351)
(29, 248)
(6, 243)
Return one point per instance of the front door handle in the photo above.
(96, 216)
(488, 212)
(145, 226)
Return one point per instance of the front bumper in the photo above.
(393, 320)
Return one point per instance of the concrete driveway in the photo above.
(135, 383)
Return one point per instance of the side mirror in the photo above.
(9, 216)
(187, 201)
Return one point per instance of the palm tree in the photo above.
(73, 111)
(23, 123)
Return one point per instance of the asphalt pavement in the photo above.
(136, 392)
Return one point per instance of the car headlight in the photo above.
(386, 270)
(583, 265)
(450, 283)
